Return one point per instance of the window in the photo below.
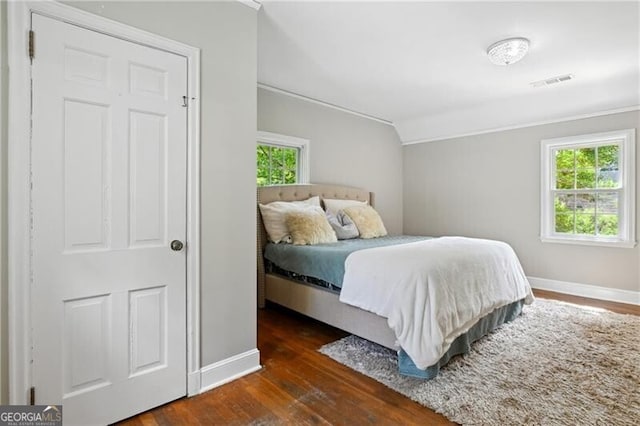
(281, 159)
(588, 189)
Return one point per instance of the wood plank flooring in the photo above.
(300, 386)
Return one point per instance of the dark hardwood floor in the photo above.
(298, 385)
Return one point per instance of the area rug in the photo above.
(556, 364)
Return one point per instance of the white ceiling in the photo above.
(423, 66)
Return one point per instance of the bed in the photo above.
(324, 305)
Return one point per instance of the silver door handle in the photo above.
(177, 245)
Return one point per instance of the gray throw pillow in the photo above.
(343, 226)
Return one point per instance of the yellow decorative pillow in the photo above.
(367, 221)
(310, 226)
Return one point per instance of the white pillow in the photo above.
(334, 206)
(274, 217)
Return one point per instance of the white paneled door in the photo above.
(108, 200)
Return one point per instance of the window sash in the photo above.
(597, 191)
(595, 145)
(283, 168)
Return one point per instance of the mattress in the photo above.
(324, 262)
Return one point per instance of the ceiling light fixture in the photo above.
(508, 51)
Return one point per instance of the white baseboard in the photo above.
(227, 370)
(586, 290)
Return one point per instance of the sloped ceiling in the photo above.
(423, 66)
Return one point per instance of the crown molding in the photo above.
(325, 104)
(521, 126)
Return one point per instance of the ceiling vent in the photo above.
(553, 80)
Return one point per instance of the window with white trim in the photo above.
(588, 189)
(281, 159)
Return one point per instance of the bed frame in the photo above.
(316, 302)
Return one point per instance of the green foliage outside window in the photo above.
(582, 203)
(276, 165)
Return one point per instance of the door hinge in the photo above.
(32, 395)
(31, 44)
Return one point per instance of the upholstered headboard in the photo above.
(268, 194)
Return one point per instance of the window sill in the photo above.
(585, 242)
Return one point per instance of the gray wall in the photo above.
(345, 149)
(489, 186)
(226, 33)
(4, 331)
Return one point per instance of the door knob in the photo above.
(177, 245)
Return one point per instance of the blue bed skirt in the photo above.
(463, 343)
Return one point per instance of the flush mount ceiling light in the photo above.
(508, 51)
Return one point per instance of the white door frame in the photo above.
(19, 181)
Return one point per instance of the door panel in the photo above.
(148, 186)
(87, 324)
(86, 150)
(109, 194)
(148, 330)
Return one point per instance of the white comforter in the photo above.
(435, 290)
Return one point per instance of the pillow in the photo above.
(310, 226)
(273, 217)
(343, 226)
(367, 220)
(334, 206)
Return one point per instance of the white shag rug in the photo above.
(556, 364)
